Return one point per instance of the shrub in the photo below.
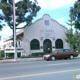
(11, 55)
(1, 58)
(26, 56)
(2, 53)
(39, 54)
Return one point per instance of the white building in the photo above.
(44, 35)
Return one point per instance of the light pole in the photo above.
(0, 46)
(14, 19)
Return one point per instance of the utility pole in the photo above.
(0, 46)
(14, 19)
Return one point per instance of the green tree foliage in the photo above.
(26, 10)
(1, 23)
(73, 38)
(0, 27)
(70, 21)
(76, 40)
(75, 13)
(76, 36)
(69, 33)
(69, 37)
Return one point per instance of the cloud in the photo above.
(45, 6)
(61, 20)
(53, 4)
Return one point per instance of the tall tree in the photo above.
(75, 13)
(26, 10)
(1, 23)
(69, 37)
(1, 27)
(76, 41)
(69, 34)
(70, 21)
(73, 38)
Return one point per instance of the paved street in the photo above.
(40, 70)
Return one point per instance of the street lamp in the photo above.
(14, 19)
(0, 46)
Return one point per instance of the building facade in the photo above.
(44, 35)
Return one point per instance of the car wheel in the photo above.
(65, 58)
(71, 56)
(53, 58)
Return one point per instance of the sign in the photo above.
(46, 22)
(11, 50)
(47, 31)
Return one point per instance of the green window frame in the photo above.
(34, 45)
(59, 44)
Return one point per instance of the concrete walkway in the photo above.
(20, 60)
(31, 59)
(23, 60)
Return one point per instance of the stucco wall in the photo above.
(38, 30)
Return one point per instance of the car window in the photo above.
(67, 50)
(61, 51)
(55, 51)
(64, 50)
(70, 50)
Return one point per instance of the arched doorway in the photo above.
(47, 46)
(58, 44)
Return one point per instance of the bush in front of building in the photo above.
(33, 55)
(29, 56)
(39, 54)
(11, 55)
(1, 54)
(1, 58)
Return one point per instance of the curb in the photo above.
(24, 60)
(9, 61)
(30, 59)
(21, 60)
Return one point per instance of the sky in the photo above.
(58, 10)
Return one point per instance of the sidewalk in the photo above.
(20, 60)
(31, 59)
(23, 60)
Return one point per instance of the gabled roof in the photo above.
(22, 31)
(50, 19)
(17, 34)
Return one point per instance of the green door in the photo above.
(47, 45)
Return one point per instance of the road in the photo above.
(40, 70)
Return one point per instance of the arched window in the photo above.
(34, 45)
(59, 44)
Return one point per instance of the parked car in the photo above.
(60, 53)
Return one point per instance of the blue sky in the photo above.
(58, 10)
